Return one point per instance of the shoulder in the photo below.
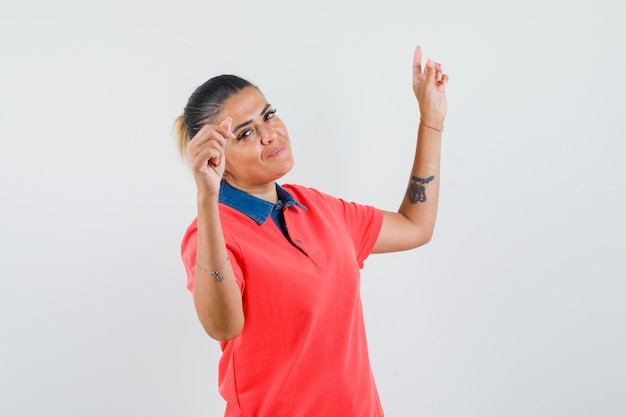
(312, 198)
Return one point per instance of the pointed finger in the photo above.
(417, 60)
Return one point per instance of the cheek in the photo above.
(283, 129)
(231, 158)
(237, 156)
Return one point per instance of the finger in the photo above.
(210, 155)
(430, 72)
(445, 79)
(215, 151)
(439, 71)
(206, 139)
(417, 60)
(209, 132)
(215, 157)
(227, 125)
(206, 133)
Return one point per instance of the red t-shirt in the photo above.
(302, 351)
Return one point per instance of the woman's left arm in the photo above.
(414, 223)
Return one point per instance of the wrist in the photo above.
(438, 127)
(206, 198)
(432, 119)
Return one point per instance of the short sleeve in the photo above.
(362, 222)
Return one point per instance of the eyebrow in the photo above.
(247, 122)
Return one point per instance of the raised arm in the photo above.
(216, 295)
(414, 223)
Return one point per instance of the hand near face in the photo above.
(207, 157)
(429, 87)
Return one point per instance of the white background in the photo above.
(516, 308)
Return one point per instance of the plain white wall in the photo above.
(516, 308)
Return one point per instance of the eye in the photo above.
(244, 134)
(270, 114)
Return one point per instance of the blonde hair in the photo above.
(181, 135)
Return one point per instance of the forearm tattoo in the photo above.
(417, 192)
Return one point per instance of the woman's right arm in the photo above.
(218, 304)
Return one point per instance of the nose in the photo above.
(268, 135)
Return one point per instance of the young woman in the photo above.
(275, 269)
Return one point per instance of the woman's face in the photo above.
(260, 153)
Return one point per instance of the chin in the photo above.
(286, 169)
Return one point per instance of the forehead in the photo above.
(245, 104)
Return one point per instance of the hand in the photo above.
(429, 87)
(206, 156)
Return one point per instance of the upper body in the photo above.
(302, 351)
(245, 276)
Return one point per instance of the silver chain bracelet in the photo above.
(217, 273)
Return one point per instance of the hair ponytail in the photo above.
(181, 135)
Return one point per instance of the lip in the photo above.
(277, 151)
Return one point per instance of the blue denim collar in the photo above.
(253, 207)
